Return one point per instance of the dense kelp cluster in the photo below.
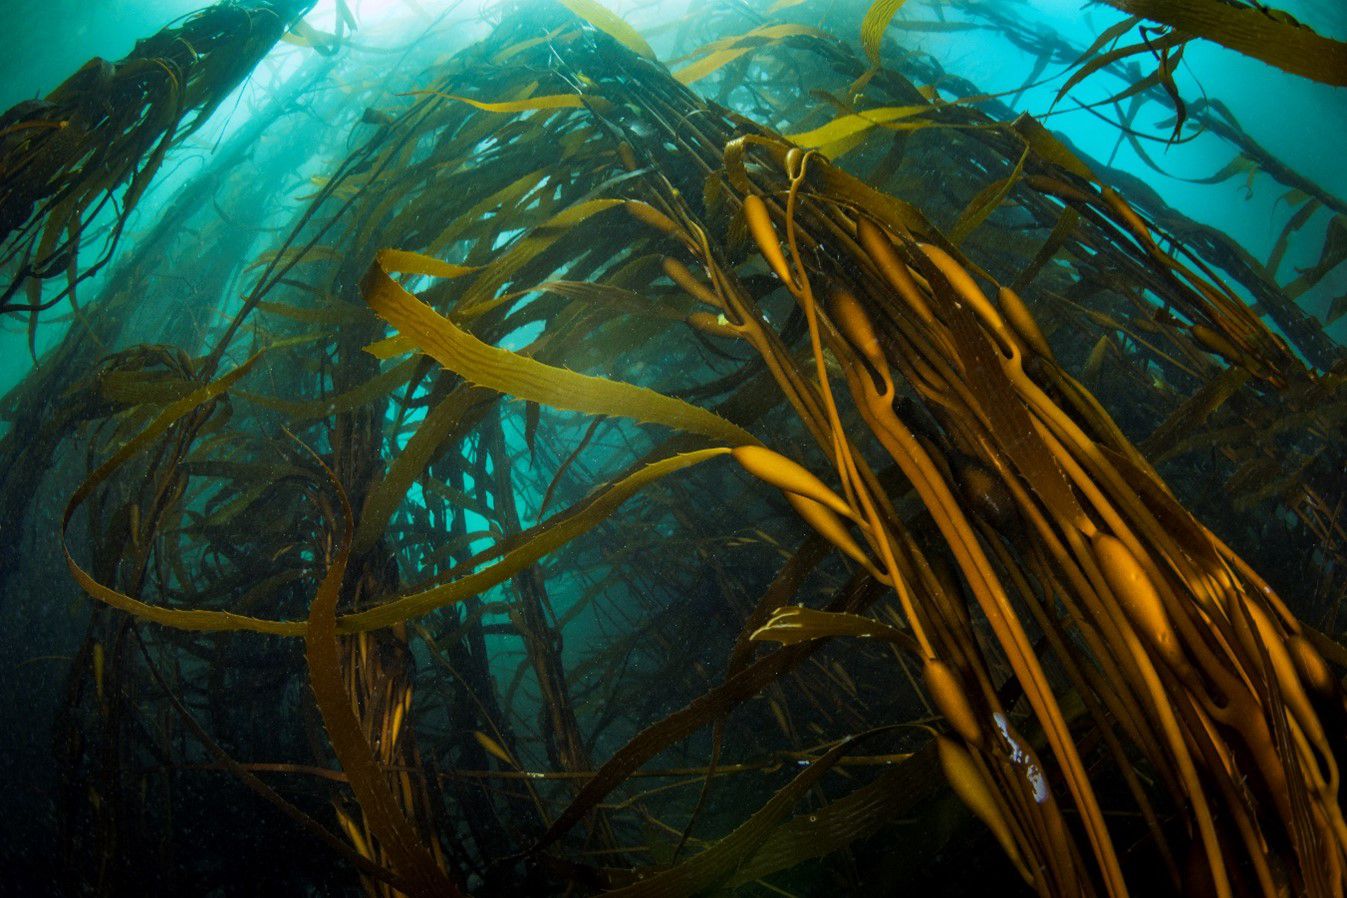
(81, 157)
(792, 472)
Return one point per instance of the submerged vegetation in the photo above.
(785, 471)
(100, 138)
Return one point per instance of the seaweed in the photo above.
(97, 141)
(664, 489)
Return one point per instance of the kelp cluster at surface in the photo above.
(784, 471)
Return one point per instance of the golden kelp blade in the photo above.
(1251, 31)
(844, 132)
(609, 22)
(481, 293)
(986, 202)
(724, 51)
(876, 21)
(494, 748)
(553, 101)
(526, 378)
(384, 498)
(790, 476)
(794, 624)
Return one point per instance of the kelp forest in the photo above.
(553, 449)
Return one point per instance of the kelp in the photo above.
(1270, 35)
(85, 154)
(384, 818)
(1206, 116)
(488, 366)
(835, 463)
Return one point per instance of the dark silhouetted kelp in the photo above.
(98, 140)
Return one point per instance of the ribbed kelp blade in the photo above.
(521, 376)
(1265, 34)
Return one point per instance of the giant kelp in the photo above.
(818, 444)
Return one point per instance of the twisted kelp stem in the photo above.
(381, 809)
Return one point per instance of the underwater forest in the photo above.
(669, 448)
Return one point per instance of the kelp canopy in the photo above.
(787, 470)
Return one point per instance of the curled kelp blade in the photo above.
(521, 376)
